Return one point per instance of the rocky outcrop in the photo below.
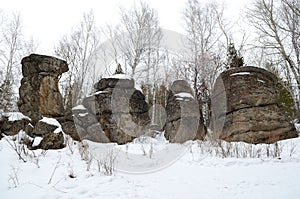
(85, 126)
(39, 93)
(116, 112)
(250, 104)
(52, 141)
(49, 131)
(11, 123)
(183, 114)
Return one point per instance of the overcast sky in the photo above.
(47, 21)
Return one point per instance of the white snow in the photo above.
(179, 98)
(79, 107)
(184, 95)
(99, 92)
(119, 76)
(14, 116)
(200, 172)
(240, 73)
(50, 121)
(83, 114)
(262, 81)
(137, 87)
(37, 141)
(53, 122)
(297, 126)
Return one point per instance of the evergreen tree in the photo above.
(119, 69)
(233, 59)
(6, 96)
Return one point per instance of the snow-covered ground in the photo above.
(206, 170)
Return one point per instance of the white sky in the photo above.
(48, 21)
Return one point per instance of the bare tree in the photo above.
(205, 28)
(79, 50)
(140, 27)
(10, 47)
(278, 29)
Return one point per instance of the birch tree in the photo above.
(10, 55)
(79, 49)
(277, 23)
(206, 32)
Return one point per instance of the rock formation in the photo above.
(85, 126)
(116, 112)
(11, 123)
(39, 93)
(50, 132)
(40, 99)
(183, 115)
(250, 104)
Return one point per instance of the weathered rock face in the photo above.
(85, 126)
(117, 112)
(49, 130)
(39, 93)
(13, 128)
(11, 125)
(183, 115)
(52, 141)
(251, 105)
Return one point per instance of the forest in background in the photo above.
(271, 41)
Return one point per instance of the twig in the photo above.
(16, 150)
(54, 170)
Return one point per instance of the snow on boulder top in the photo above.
(79, 107)
(50, 121)
(119, 76)
(53, 122)
(15, 116)
(99, 92)
(240, 73)
(184, 95)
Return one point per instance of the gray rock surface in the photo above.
(251, 105)
(116, 112)
(183, 117)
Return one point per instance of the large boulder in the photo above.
(183, 114)
(250, 104)
(116, 112)
(49, 132)
(39, 92)
(113, 83)
(86, 126)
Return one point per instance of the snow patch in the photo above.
(15, 116)
(79, 107)
(297, 126)
(50, 121)
(37, 141)
(99, 92)
(240, 73)
(184, 95)
(262, 81)
(53, 122)
(82, 114)
(119, 76)
(179, 99)
(137, 87)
